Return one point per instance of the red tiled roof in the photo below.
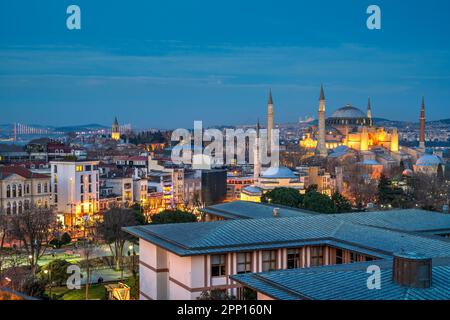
(137, 158)
(23, 172)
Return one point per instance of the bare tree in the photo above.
(35, 228)
(110, 230)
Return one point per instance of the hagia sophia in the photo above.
(348, 131)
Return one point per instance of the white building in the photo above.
(75, 187)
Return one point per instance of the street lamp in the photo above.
(49, 273)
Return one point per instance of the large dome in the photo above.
(348, 112)
(278, 173)
(429, 160)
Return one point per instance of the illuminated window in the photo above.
(79, 168)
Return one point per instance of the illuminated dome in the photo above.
(348, 112)
(278, 173)
(429, 160)
(348, 116)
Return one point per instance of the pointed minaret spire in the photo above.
(322, 94)
(369, 112)
(422, 127)
(270, 97)
(321, 143)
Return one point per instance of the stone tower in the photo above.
(321, 144)
(115, 130)
(270, 124)
(422, 127)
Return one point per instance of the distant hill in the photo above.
(85, 127)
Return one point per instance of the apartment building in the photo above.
(75, 188)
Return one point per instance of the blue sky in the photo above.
(168, 63)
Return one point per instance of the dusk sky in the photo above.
(167, 63)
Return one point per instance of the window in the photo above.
(8, 208)
(27, 205)
(14, 207)
(45, 188)
(14, 191)
(90, 188)
(354, 257)
(244, 262)
(81, 179)
(39, 188)
(90, 178)
(79, 168)
(269, 260)
(56, 188)
(81, 189)
(20, 207)
(81, 198)
(8, 191)
(218, 265)
(293, 259)
(339, 256)
(56, 198)
(28, 189)
(55, 168)
(88, 168)
(316, 256)
(20, 190)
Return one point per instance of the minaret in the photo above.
(256, 156)
(269, 120)
(369, 113)
(422, 127)
(321, 144)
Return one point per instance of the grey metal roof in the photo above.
(253, 234)
(345, 282)
(252, 210)
(405, 220)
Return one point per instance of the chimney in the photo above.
(276, 212)
(412, 270)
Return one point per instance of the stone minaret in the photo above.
(321, 144)
(256, 156)
(422, 127)
(269, 120)
(369, 112)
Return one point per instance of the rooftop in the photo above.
(345, 282)
(344, 231)
(252, 210)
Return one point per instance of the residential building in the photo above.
(75, 187)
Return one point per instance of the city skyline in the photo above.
(211, 68)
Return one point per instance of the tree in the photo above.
(35, 228)
(173, 216)
(56, 272)
(110, 230)
(283, 196)
(318, 202)
(341, 203)
(391, 195)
